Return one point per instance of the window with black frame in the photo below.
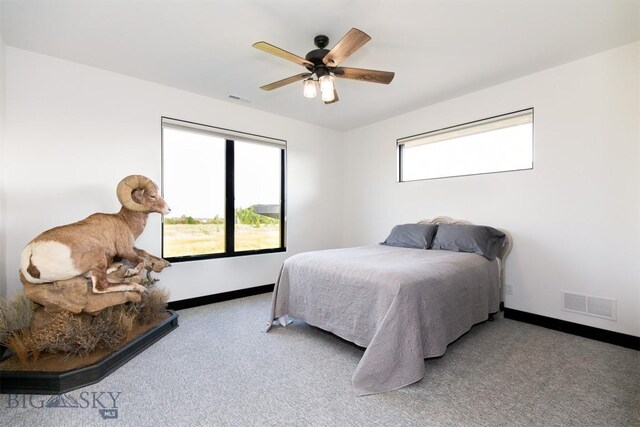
(225, 189)
(496, 144)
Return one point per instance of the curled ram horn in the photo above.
(128, 185)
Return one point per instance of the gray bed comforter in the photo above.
(403, 305)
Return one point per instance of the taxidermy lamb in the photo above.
(88, 247)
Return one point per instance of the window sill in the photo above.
(224, 255)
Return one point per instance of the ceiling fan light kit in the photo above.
(323, 65)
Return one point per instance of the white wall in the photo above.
(575, 218)
(3, 282)
(75, 131)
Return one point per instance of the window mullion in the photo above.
(230, 199)
(283, 214)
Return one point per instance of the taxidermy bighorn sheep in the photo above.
(88, 247)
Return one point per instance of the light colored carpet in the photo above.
(220, 369)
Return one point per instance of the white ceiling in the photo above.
(438, 49)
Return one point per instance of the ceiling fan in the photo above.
(323, 64)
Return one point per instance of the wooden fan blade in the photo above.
(364, 75)
(335, 96)
(274, 50)
(351, 42)
(284, 82)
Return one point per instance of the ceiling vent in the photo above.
(590, 305)
(237, 98)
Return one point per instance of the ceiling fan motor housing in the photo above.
(316, 56)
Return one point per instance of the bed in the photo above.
(402, 304)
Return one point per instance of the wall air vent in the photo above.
(589, 305)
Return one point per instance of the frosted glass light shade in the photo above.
(310, 90)
(328, 96)
(326, 84)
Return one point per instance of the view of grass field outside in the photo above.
(257, 187)
(194, 187)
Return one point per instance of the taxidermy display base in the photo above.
(34, 379)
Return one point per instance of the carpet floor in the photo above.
(220, 369)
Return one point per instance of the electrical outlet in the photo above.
(508, 289)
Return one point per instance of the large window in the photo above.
(497, 144)
(225, 190)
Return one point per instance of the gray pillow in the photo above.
(417, 236)
(479, 239)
